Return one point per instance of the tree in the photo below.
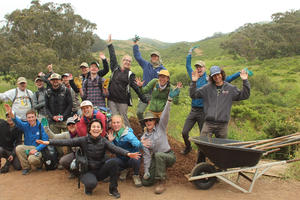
(43, 34)
(269, 40)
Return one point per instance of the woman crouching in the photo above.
(94, 147)
(123, 136)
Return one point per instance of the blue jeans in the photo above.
(129, 163)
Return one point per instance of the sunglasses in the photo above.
(146, 120)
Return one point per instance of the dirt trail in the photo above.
(56, 185)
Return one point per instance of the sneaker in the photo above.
(123, 174)
(25, 171)
(160, 188)
(137, 181)
(5, 168)
(186, 150)
(114, 192)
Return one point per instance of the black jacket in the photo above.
(9, 137)
(59, 101)
(119, 83)
(93, 148)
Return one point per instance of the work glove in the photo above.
(136, 38)
(250, 73)
(192, 49)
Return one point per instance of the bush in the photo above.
(279, 127)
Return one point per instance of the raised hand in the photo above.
(146, 142)
(8, 110)
(50, 68)
(41, 74)
(135, 155)
(109, 39)
(42, 142)
(136, 39)
(195, 76)
(244, 75)
(179, 85)
(139, 82)
(102, 55)
(76, 118)
(110, 135)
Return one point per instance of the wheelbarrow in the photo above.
(226, 160)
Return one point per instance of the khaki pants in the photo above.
(57, 128)
(159, 163)
(25, 160)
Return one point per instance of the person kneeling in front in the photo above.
(94, 147)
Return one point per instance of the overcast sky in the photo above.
(167, 20)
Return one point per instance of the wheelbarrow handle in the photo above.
(293, 160)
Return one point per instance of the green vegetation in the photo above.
(269, 40)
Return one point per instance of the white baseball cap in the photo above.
(86, 103)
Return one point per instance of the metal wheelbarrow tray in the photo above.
(225, 157)
(227, 160)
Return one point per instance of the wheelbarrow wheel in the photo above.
(201, 169)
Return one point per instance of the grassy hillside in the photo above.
(272, 109)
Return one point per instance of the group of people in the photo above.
(84, 124)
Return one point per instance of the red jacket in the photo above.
(84, 121)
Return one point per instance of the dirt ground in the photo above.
(49, 185)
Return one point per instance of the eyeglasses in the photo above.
(146, 120)
(127, 60)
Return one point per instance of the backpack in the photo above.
(103, 110)
(81, 163)
(27, 93)
(49, 155)
(128, 86)
(107, 112)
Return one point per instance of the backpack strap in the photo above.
(40, 131)
(27, 93)
(128, 88)
(94, 117)
(15, 96)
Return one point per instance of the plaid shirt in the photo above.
(94, 94)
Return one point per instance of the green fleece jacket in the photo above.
(158, 97)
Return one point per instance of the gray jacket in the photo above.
(39, 101)
(217, 105)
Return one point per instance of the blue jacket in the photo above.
(149, 72)
(128, 141)
(31, 134)
(203, 80)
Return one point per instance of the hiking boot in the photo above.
(114, 192)
(40, 168)
(60, 167)
(5, 168)
(72, 176)
(137, 181)
(123, 174)
(106, 180)
(25, 171)
(186, 150)
(87, 192)
(161, 187)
